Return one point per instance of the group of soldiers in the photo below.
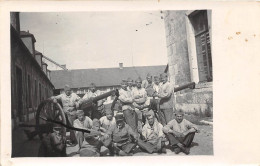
(140, 118)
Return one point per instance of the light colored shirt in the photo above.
(86, 124)
(184, 126)
(139, 95)
(156, 87)
(125, 98)
(105, 123)
(166, 96)
(68, 101)
(153, 133)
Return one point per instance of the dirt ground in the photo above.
(22, 147)
(202, 145)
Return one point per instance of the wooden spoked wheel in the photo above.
(48, 110)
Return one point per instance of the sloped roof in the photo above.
(24, 33)
(102, 76)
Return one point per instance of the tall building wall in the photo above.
(30, 85)
(181, 63)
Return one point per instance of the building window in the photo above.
(199, 21)
(29, 91)
(40, 92)
(35, 93)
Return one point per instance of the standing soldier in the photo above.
(165, 96)
(140, 102)
(126, 100)
(130, 84)
(96, 111)
(70, 103)
(148, 82)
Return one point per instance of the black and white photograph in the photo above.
(111, 83)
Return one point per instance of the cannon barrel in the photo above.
(189, 85)
(85, 103)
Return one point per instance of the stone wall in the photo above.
(199, 99)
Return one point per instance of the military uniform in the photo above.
(153, 135)
(165, 95)
(140, 100)
(184, 126)
(125, 97)
(120, 139)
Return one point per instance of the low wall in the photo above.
(198, 100)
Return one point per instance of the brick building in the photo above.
(188, 36)
(30, 83)
(104, 78)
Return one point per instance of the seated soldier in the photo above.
(93, 141)
(108, 120)
(53, 145)
(153, 133)
(180, 133)
(83, 122)
(120, 141)
(140, 102)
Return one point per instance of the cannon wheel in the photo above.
(53, 111)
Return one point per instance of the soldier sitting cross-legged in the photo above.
(180, 133)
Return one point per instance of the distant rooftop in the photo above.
(102, 77)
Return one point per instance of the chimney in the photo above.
(15, 21)
(121, 65)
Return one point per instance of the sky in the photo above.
(84, 40)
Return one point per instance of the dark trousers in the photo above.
(127, 147)
(165, 116)
(186, 141)
(70, 119)
(131, 118)
(149, 146)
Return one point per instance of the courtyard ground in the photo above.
(22, 147)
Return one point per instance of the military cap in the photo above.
(119, 117)
(80, 112)
(66, 87)
(179, 112)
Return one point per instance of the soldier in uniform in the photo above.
(120, 139)
(130, 84)
(153, 133)
(165, 96)
(180, 133)
(96, 111)
(140, 102)
(126, 100)
(70, 103)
